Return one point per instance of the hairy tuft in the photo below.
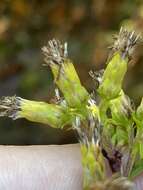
(10, 107)
(55, 52)
(125, 42)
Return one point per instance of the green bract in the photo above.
(113, 76)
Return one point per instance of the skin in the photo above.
(54, 167)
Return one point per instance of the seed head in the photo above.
(125, 42)
(55, 52)
(10, 107)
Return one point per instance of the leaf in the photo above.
(139, 112)
(141, 150)
(137, 169)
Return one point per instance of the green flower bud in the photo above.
(121, 53)
(65, 74)
(41, 112)
(113, 76)
(93, 164)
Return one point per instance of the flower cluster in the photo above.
(110, 131)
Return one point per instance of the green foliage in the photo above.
(137, 169)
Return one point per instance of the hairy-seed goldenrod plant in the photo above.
(110, 131)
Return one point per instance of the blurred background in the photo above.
(87, 26)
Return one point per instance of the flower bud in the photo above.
(113, 76)
(64, 73)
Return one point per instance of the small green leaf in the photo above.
(141, 150)
(137, 169)
(139, 112)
